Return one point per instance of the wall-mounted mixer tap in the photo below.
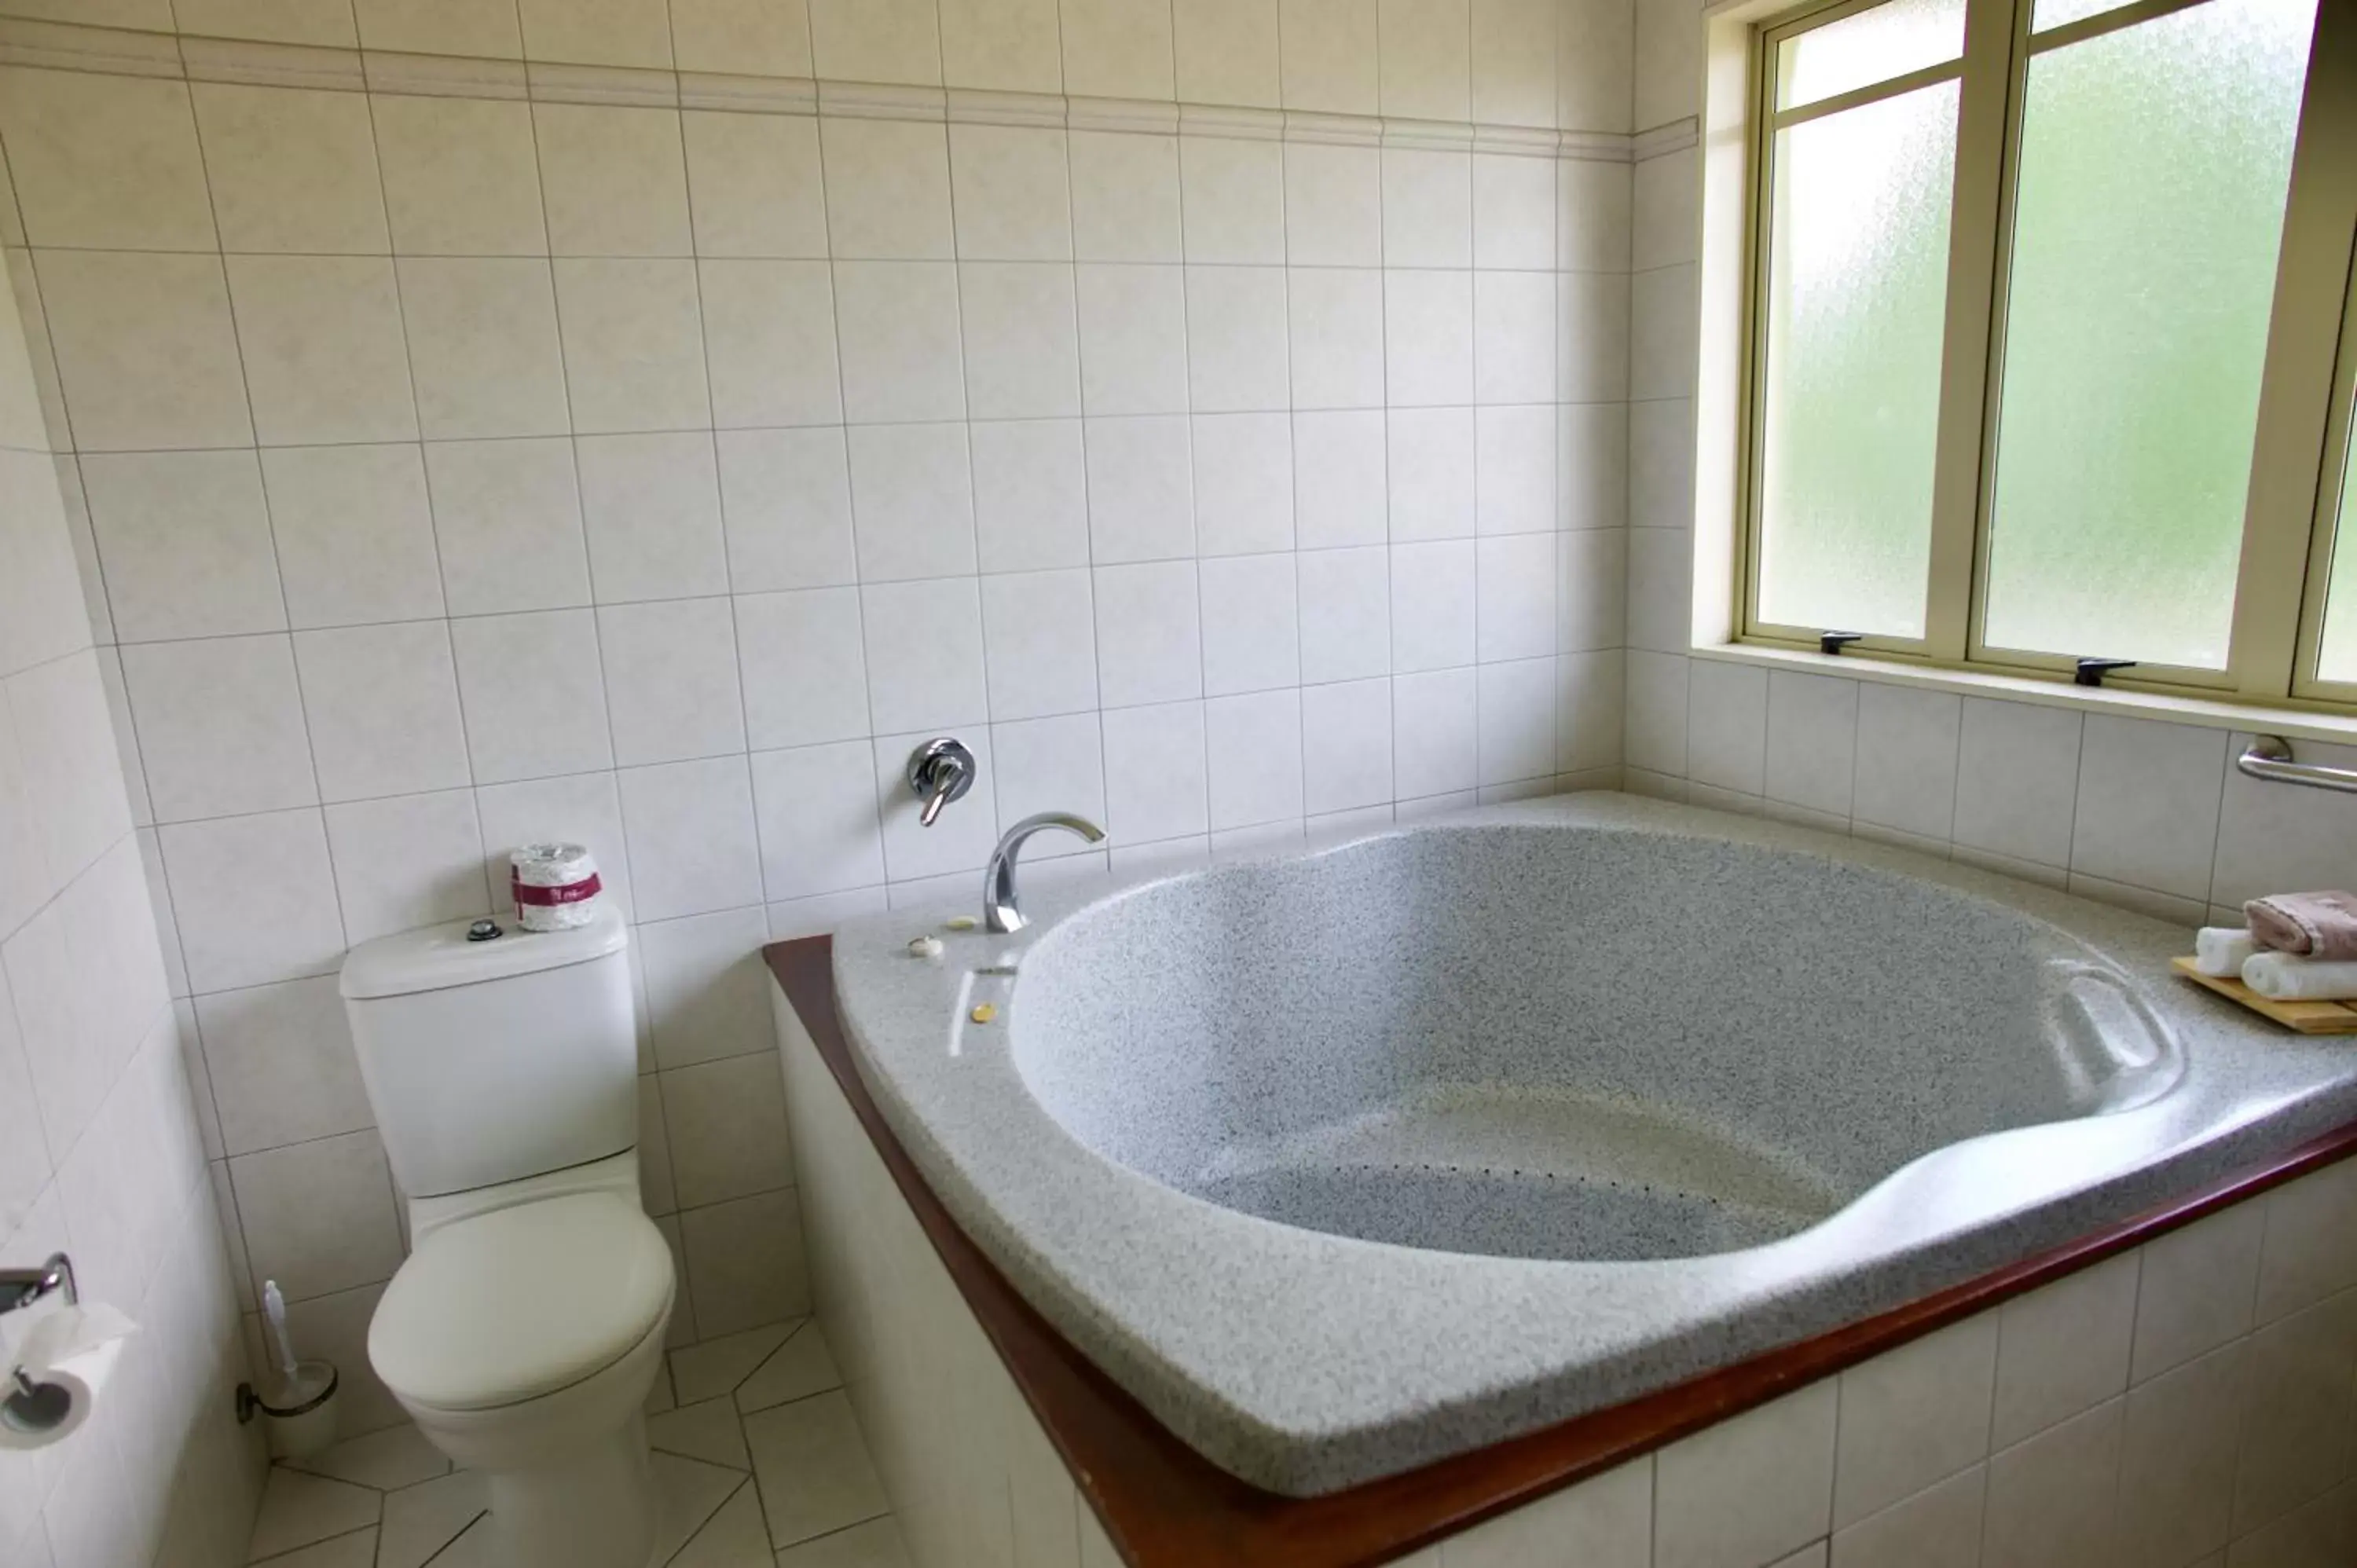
(940, 771)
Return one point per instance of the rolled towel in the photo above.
(2220, 950)
(2284, 977)
(2313, 925)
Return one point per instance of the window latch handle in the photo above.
(2091, 671)
(1835, 641)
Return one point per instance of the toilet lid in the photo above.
(520, 1301)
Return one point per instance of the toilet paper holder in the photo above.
(31, 1403)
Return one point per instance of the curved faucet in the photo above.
(1000, 911)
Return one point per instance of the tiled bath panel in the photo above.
(513, 433)
(757, 1463)
(2191, 1403)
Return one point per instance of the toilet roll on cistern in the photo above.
(555, 885)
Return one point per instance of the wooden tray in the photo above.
(2306, 1017)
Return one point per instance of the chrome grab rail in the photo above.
(2269, 756)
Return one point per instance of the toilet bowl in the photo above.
(523, 1340)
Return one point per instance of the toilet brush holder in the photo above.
(298, 1413)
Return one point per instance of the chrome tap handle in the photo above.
(940, 771)
(1001, 911)
(23, 1287)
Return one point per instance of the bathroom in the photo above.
(430, 427)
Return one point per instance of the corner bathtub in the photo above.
(1345, 1162)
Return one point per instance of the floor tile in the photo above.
(298, 1509)
(876, 1544)
(710, 1432)
(421, 1520)
(398, 1456)
(801, 1367)
(357, 1549)
(472, 1550)
(699, 1372)
(688, 1493)
(813, 1467)
(736, 1538)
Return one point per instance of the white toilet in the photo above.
(527, 1325)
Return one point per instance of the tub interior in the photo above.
(1583, 1044)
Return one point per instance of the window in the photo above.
(2052, 342)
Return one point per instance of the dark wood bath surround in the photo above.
(1167, 1507)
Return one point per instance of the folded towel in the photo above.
(2313, 925)
(2220, 950)
(2284, 977)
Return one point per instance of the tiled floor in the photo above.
(758, 1460)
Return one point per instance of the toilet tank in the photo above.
(491, 1061)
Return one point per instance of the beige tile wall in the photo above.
(2139, 812)
(99, 1151)
(2189, 1404)
(467, 450)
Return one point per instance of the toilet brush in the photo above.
(300, 1409)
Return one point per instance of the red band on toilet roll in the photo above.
(570, 893)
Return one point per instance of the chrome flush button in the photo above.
(484, 931)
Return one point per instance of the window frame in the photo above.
(2308, 385)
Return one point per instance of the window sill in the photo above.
(2292, 724)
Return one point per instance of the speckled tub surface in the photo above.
(1346, 1161)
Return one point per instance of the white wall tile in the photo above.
(633, 345)
(754, 185)
(1329, 50)
(1727, 726)
(1133, 324)
(110, 163)
(1912, 1417)
(355, 534)
(2271, 840)
(1515, 469)
(1428, 337)
(1427, 198)
(1433, 599)
(613, 180)
(324, 353)
(255, 898)
(1118, 48)
(671, 684)
(1149, 637)
(804, 667)
(1591, 694)
(769, 344)
(1013, 192)
(1009, 44)
(707, 991)
(2052, 1500)
(2179, 1439)
(1022, 339)
(1657, 712)
(690, 830)
(877, 40)
(2294, 1378)
(1030, 497)
(2147, 808)
(1346, 745)
(723, 1119)
(1242, 483)
(912, 501)
(743, 36)
(1124, 196)
(1253, 744)
(1513, 336)
(1227, 52)
(1938, 1526)
(584, 809)
(1233, 193)
(2063, 1350)
(896, 323)
(1513, 212)
(1812, 752)
(1606, 1522)
(1251, 637)
(745, 1260)
(1141, 499)
(1515, 581)
(1430, 468)
(2306, 1256)
(1335, 323)
(533, 694)
(291, 170)
(1236, 339)
(483, 346)
(1435, 733)
(410, 861)
(382, 703)
(1341, 486)
(888, 189)
(1155, 772)
(461, 176)
(220, 725)
(651, 507)
(2196, 1289)
(507, 525)
(185, 540)
(1049, 764)
(1039, 639)
(1514, 49)
(785, 501)
(1426, 65)
(1907, 759)
(1593, 346)
(595, 32)
(1749, 1489)
(1517, 716)
(925, 654)
(146, 351)
(1345, 613)
(318, 1216)
(2017, 779)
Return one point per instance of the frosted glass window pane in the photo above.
(1857, 293)
(2339, 661)
(2054, 13)
(1868, 46)
(2154, 164)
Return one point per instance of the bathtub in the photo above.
(1345, 1162)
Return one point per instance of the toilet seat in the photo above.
(519, 1302)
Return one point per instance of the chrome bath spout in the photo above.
(1001, 911)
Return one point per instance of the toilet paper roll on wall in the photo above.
(72, 1350)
